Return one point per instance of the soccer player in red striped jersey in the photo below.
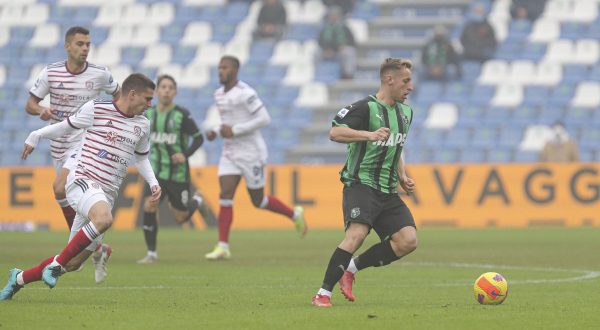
(71, 83)
(115, 135)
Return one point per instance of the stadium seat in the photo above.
(136, 14)
(120, 35)
(535, 137)
(195, 75)
(526, 156)
(196, 33)
(441, 116)
(359, 28)
(499, 155)
(157, 55)
(560, 51)
(508, 95)
(174, 70)
(548, 73)
(545, 30)
(587, 51)
(484, 137)
(4, 35)
(161, 13)
(204, 2)
(587, 94)
(34, 14)
(239, 49)
(120, 72)
(522, 72)
(105, 54)
(46, 36)
(312, 95)
(209, 54)
(2, 75)
(109, 15)
(494, 72)
(558, 10)
(299, 73)
(286, 52)
(584, 11)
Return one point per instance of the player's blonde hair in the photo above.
(392, 63)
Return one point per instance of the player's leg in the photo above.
(58, 186)
(150, 224)
(360, 208)
(254, 174)
(229, 179)
(95, 205)
(210, 219)
(100, 252)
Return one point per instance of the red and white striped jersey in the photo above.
(238, 105)
(109, 143)
(69, 91)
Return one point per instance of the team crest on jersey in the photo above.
(111, 137)
(342, 113)
(89, 85)
(137, 130)
(355, 212)
(405, 119)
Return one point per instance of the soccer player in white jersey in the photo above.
(71, 83)
(244, 153)
(115, 134)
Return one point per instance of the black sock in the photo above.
(378, 255)
(338, 263)
(150, 230)
(192, 207)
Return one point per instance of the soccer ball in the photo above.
(490, 289)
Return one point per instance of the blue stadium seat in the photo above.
(223, 32)
(456, 92)
(535, 95)
(500, 155)
(236, 11)
(574, 73)
(261, 50)
(274, 73)
(523, 156)
(212, 14)
(327, 72)
(183, 54)
(482, 94)
(428, 91)
(187, 14)
(484, 137)
(578, 115)
(172, 33)
(20, 35)
(432, 137)
(471, 70)
(572, 30)
(562, 95)
(132, 55)
(85, 15)
(457, 138)
(470, 115)
(510, 137)
(533, 51)
(445, 155)
(61, 15)
(472, 155)
(302, 32)
(365, 10)
(509, 50)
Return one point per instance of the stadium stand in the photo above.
(499, 111)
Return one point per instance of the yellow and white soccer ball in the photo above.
(490, 289)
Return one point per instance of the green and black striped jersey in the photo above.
(171, 132)
(374, 163)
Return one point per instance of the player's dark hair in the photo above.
(163, 77)
(75, 30)
(137, 82)
(232, 59)
(391, 63)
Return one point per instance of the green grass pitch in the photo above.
(553, 275)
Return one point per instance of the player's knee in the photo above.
(102, 221)
(257, 202)
(59, 190)
(405, 245)
(149, 206)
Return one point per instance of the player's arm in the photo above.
(33, 107)
(49, 132)
(260, 119)
(351, 125)
(145, 169)
(189, 127)
(407, 184)
(38, 91)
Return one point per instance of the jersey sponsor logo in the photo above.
(393, 140)
(80, 98)
(162, 137)
(89, 85)
(342, 113)
(125, 139)
(102, 153)
(115, 158)
(111, 137)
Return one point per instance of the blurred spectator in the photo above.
(561, 147)
(478, 37)
(527, 9)
(347, 6)
(437, 54)
(272, 20)
(337, 42)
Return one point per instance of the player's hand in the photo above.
(156, 191)
(226, 131)
(27, 150)
(178, 158)
(381, 134)
(407, 184)
(46, 114)
(211, 136)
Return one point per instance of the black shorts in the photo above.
(178, 193)
(385, 213)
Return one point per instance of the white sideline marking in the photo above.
(585, 275)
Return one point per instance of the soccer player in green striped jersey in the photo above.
(375, 129)
(174, 137)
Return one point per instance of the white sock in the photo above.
(224, 245)
(153, 254)
(352, 267)
(20, 280)
(324, 292)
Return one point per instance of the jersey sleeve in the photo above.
(84, 117)
(252, 102)
(189, 125)
(41, 87)
(355, 116)
(109, 85)
(143, 146)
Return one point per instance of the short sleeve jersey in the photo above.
(171, 132)
(109, 143)
(374, 163)
(69, 91)
(238, 105)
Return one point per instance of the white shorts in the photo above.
(252, 171)
(67, 161)
(82, 194)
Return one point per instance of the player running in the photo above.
(171, 130)
(115, 134)
(244, 153)
(71, 83)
